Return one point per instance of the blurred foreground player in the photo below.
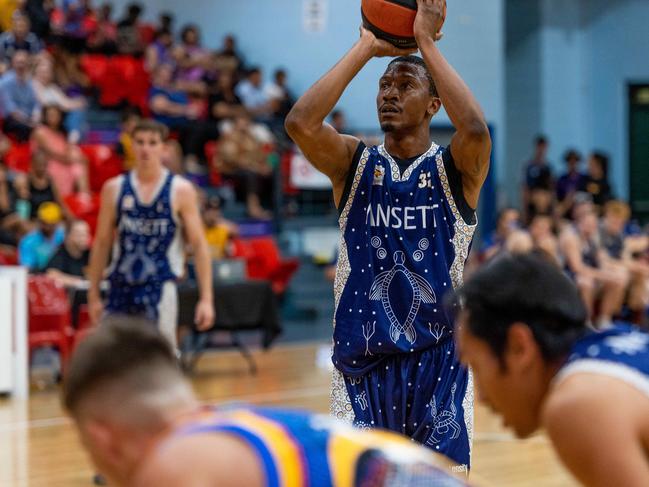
(142, 426)
(407, 218)
(535, 362)
(149, 213)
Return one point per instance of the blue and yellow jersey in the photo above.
(298, 449)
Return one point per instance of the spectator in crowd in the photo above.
(538, 176)
(569, 184)
(49, 93)
(74, 23)
(165, 21)
(224, 103)
(339, 121)
(104, 38)
(219, 231)
(241, 157)
(172, 107)
(37, 247)
(129, 40)
(19, 38)
(597, 180)
(229, 58)
(14, 214)
(40, 188)
(508, 221)
(254, 97)
(623, 250)
(68, 265)
(192, 60)
(279, 95)
(161, 51)
(18, 99)
(68, 73)
(591, 268)
(66, 163)
(129, 119)
(543, 236)
(39, 13)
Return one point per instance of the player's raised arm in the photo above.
(471, 144)
(330, 152)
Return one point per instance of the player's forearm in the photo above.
(98, 262)
(460, 104)
(203, 264)
(313, 107)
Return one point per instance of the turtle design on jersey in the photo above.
(422, 292)
(444, 421)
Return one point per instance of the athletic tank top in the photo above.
(403, 247)
(621, 352)
(301, 449)
(148, 249)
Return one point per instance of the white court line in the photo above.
(269, 397)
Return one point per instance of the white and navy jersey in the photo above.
(404, 245)
(148, 249)
(621, 352)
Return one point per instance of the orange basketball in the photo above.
(391, 20)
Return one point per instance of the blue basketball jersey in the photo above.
(148, 250)
(621, 352)
(298, 449)
(404, 245)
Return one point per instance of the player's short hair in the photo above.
(151, 126)
(540, 140)
(523, 288)
(121, 348)
(417, 61)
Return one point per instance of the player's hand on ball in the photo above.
(430, 18)
(381, 48)
(204, 316)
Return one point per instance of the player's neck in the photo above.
(148, 172)
(405, 146)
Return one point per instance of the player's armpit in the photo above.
(471, 151)
(591, 421)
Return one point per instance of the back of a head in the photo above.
(125, 362)
(529, 289)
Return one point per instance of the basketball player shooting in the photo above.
(407, 217)
(152, 212)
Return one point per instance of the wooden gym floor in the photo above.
(38, 446)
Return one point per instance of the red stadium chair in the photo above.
(147, 33)
(84, 327)
(84, 207)
(264, 261)
(49, 316)
(19, 158)
(95, 66)
(103, 164)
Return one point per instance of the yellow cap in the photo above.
(49, 213)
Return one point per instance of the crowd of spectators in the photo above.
(206, 95)
(576, 222)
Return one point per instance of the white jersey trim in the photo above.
(397, 177)
(614, 370)
(463, 234)
(340, 403)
